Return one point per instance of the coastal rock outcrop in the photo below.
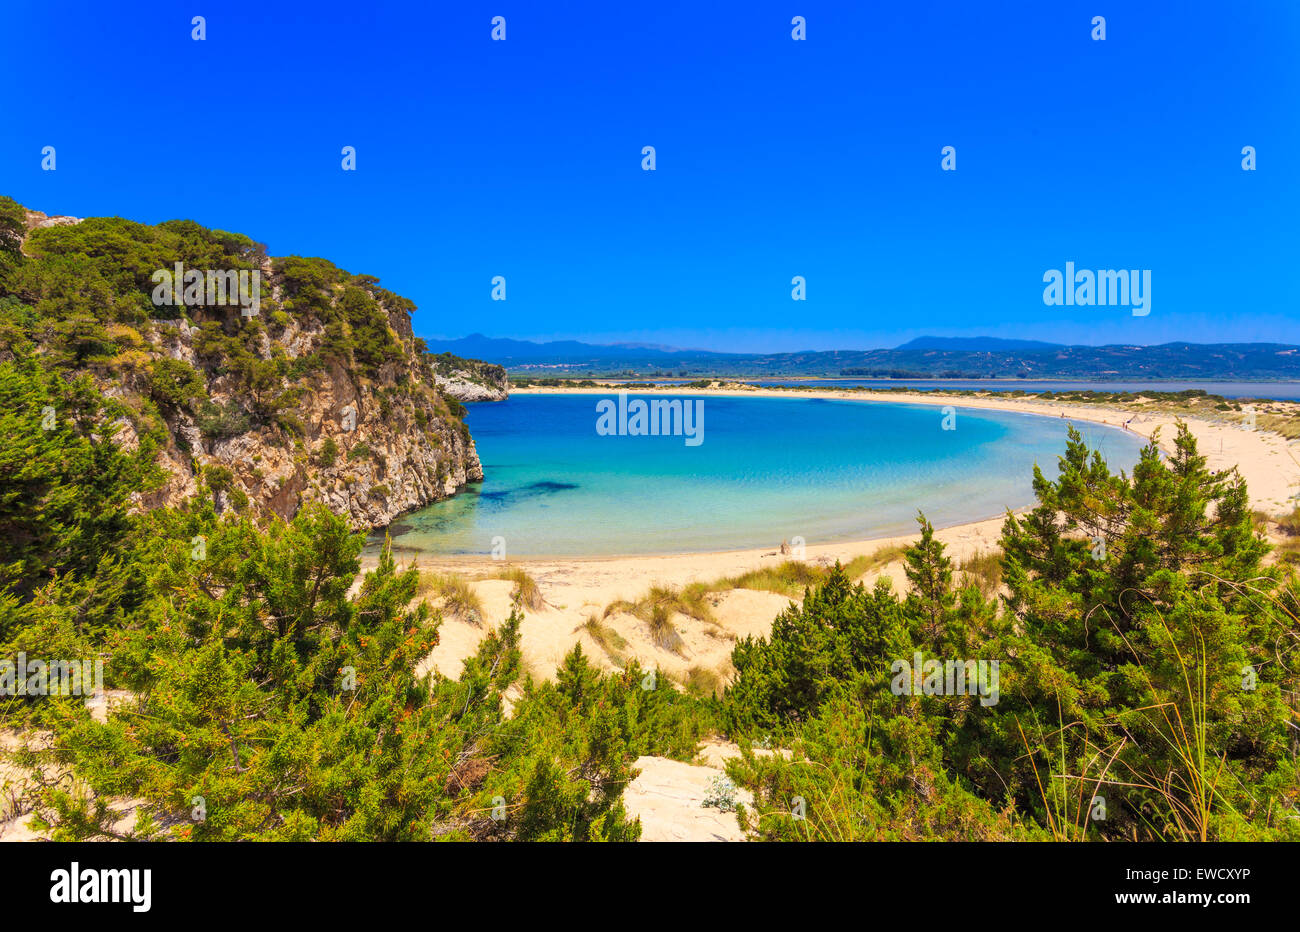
(469, 379)
(370, 449)
(305, 384)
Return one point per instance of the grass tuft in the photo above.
(984, 571)
(459, 599)
(702, 682)
(790, 578)
(527, 592)
(691, 601)
(610, 641)
(662, 630)
(861, 566)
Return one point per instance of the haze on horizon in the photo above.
(763, 343)
(774, 158)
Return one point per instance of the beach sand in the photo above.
(578, 588)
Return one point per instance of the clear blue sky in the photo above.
(775, 158)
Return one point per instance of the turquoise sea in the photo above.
(768, 469)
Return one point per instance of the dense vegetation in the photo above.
(267, 697)
(83, 296)
(1148, 679)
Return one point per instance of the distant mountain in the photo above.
(976, 344)
(925, 357)
(655, 346)
(510, 353)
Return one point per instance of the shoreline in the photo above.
(581, 588)
(1243, 452)
(919, 379)
(1269, 489)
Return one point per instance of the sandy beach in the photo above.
(575, 589)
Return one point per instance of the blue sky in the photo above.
(775, 158)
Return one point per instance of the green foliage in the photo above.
(814, 650)
(13, 222)
(329, 452)
(1142, 652)
(353, 310)
(1148, 624)
(82, 298)
(291, 707)
(174, 383)
(216, 421)
(65, 499)
(721, 795)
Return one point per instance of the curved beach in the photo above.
(576, 588)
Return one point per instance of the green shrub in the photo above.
(220, 421)
(1122, 675)
(328, 453)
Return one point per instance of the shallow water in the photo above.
(768, 469)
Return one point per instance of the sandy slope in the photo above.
(667, 797)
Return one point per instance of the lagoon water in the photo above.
(769, 469)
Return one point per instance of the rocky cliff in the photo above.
(313, 390)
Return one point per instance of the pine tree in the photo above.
(929, 572)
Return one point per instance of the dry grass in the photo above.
(458, 598)
(1288, 552)
(694, 600)
(861, 566)
(663, 631)
(527, 593)
(789, 578)
(1290, 524)
(703, 682)
(984, 570)
(691, 600)
(610, 641)
(1286, 424)
(792, 577)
